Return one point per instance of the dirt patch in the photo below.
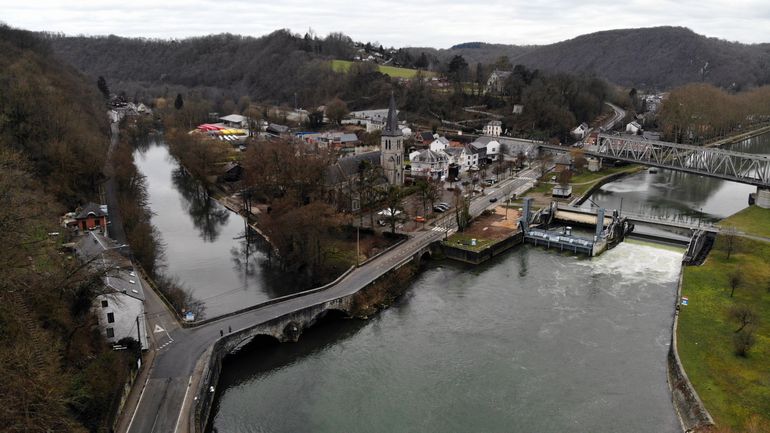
(494, 226)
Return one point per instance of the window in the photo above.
(104, 304)
(110, 333)
(110, 317)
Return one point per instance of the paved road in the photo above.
(115, 228)
(167, 399)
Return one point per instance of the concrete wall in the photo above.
(693, 415)
(476, 257)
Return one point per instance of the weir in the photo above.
(608, 231)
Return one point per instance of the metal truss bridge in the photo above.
(724, 164)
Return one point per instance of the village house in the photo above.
(439, 144)
(463, 157)
(633, 127)
(517, 109)
(425, 138)
(580, 131)
(488, 147)
(493, 128)
(92, 217)
(429, 163)
(120, 308)
(496, 82)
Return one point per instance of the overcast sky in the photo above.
(435, 23)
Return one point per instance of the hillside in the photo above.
(58, 372)
(273, 67)
(661, 57)
(658, 57)
(278, 66)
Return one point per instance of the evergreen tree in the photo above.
(179, 102)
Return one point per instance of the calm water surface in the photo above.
(682, 196)
(205, 244)
(534, 341)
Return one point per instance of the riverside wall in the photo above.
(693, 415)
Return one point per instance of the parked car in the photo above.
(493, 199)
(419, 219)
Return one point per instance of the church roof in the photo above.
(391, 124)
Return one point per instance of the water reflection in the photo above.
(212, 251)
(207, 215)
(680, 196)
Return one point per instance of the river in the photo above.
(681, 196)
(532, 341)
(206, 246)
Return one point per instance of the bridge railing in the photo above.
(740, 167)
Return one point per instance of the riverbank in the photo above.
(739, 137)
(732, 387)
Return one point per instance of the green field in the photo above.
(733, 388)
(752, 220)
(344, 65)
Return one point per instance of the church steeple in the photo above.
(392, 147)
(391, 125)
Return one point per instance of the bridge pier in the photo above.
(763, 198)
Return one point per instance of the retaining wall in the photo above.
(693, 415)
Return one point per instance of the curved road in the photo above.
(167, 399)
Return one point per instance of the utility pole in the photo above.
(358, 245)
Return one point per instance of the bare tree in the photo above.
(744, 316)
(394, 207)
(729, 240)
(735, 280)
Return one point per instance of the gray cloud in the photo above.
(393, 23)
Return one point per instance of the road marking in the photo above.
(158, 329)
(139, 402)
(179, 418)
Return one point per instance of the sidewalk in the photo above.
(158, 317)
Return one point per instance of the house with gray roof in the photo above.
(429, 163)
(120, 307)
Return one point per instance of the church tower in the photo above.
(392, 147)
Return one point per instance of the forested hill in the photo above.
(53, 115)
(273, 67)
(661, 57)
(656, 58)
(58, 372)
(278, 66)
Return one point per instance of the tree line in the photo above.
(698, 112)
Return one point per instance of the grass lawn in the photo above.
(344, 65)
(584, 181)
(733, 388)
(753, 220)
(462, 240)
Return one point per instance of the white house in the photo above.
(120, 309)
(490, 146)
(633, 127)
(463, 157)
(439, 144)
(517, 109)
(581, 131)
(496, 81)
(493, 128)
(428, 163)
